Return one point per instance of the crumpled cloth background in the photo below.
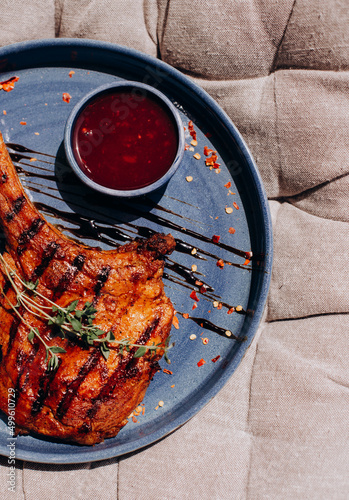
(280, 427)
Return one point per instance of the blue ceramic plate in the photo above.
(217, 213)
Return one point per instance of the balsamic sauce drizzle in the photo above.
(112, 234)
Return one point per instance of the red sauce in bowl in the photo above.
(125, 139)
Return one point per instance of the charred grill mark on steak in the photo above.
(72, 390)
(48, 254)
(13, 330)
(126, 369)
(68, 277)
(65, 280)
(101, 279)
(23, 363)
(28, 234)
(85, 428)
(44, 387)
(6, 287)
(79, 261)
(16, 208)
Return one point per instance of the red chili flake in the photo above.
(185, 315)
(215, 238)
(220, 305)
(194, 296)
(134, 419)
(22, 123)
(236, 205)
(211, 160)
(175, 322)
(227, 185)
(216, 165)
(186, 147)
(9, 84)
(231, 310)
(247, 261)
(194, 306)
(215, 359)
(191, 129)
(207, 151)
(4, 112)
(203, 289)
(66, 97)
(231, 230)
(165, 370)
(71, 73)
(201, 362)
(220, 263)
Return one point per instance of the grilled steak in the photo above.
(86, 398)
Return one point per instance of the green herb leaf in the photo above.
(53, 363)
(75, 323)
(31, 335)
(140, 352)
(72, 306)
(105, 350)
(56, 348)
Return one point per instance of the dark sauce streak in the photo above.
(48, 177)
(149, 203)
(22, 149)
(187, 274)
(208, 325)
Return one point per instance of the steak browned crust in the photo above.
(87, 398)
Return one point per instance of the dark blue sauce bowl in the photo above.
(139, 90)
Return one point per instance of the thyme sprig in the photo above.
(69, 322)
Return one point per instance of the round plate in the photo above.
(216, 209)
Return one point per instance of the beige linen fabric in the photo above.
(279, 428)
